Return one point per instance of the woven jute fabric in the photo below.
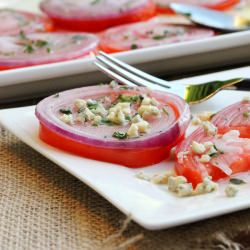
(44, 207)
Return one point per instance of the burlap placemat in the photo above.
(44, 207)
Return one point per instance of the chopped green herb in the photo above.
(120, 135)
(165, 111)
(159, 37)
(125, 87)
(77, 38)
(22, 35)
(92, 105)
(28, 48)
(105, 121)
(134, 46)
(41, 43)
(65, 111)
(49, 50)
(128, 118)
(129, 98)
(81, 110)
(236, 181)
(214, 155)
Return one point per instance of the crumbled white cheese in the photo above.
(205, 116)
(198, 148)
(91, 102)
(158, 178)
(117, 117)
(205, 158)
(231, 190)
(185, 189)
(143, 126)
(147, 111)
(208, 145)
(137, 128)
(137, 118)
(207, 186)
(209, 128)
(146, 101)
(89, 114)
(143, 176)
(81, 117)
(196, 121)
(133, 131)
(80, 104)
(97, 120)
(120, 118)
(113, 84)
(181, 156)
(100, 110)
(149, 101)
(173, 182)
(118, 113)
(162, 178)
(68, 119)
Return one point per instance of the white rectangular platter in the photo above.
(40, 80)
(150, 205)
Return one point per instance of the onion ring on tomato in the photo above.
(96, 15)
(13, 22)
(98, 143)
(235, 116)
(234, 154)
(148, 34)
(42, 48)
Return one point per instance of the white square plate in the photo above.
(151, 206)
(166, 59)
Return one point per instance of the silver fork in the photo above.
(128, 75)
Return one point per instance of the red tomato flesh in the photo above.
(190, 166)
(129, 157)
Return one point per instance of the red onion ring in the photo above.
(47, 109)
(15, 51)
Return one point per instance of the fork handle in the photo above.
(244, 85)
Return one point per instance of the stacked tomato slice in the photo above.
(96, 15)
(221, 154)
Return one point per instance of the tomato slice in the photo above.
(233, 124)
(96, 15)
(13, 22)
(41, 48)
(235, 116)
(233, 159)
(162, 5)
(148, 34)
(98, 141)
